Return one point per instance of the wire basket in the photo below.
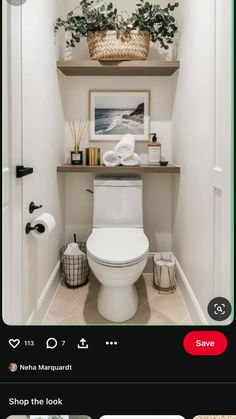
(112, 46)
(75, 269)
(164, 272)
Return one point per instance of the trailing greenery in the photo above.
(99, 16)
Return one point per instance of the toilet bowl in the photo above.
(117, 249)
(117, 256)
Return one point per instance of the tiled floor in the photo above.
(79, 306)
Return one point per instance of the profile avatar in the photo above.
(12, 367)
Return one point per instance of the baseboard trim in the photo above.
(190, 299)
(45, 298)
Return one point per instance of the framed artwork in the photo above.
(113, 113)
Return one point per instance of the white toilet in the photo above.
(117, 249)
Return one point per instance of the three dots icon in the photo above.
(111, 343)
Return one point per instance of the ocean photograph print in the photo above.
(115, 113)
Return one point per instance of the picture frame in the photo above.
(113, 113)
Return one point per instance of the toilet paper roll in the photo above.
(73, 250)
(49, 223)
(165, 268)
(165, 271)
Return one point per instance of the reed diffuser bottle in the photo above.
(76, 156)
(78, 133)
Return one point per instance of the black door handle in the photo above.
(22, 171)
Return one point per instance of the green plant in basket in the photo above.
(93, 18)
(96, 19)
(159, 22)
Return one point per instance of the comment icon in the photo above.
(51, 343)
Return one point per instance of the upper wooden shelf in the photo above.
(72, 168)
(118, 68)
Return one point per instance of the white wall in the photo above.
(43, 147)
(201, 213)
(157, 194)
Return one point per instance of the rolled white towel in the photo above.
(111, 158)
(126, 145)
(131, 160)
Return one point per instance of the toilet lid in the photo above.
(117, 245)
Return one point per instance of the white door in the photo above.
(12, 156)
(221, 174)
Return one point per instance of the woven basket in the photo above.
(110, 46)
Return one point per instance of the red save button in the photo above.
(205, 343)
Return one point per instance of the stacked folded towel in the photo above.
(111, 159)
(125, 146)
(130, 160)
(123, 153)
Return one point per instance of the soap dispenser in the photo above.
(154, 150)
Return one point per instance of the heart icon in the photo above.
(14, 343)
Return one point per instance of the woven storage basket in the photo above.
(110, 46)
(75, 269)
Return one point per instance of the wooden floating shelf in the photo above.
(72, 168)
(118, 68)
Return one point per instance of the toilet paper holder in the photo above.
(39, 227)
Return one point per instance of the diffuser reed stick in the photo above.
(81, 132)
(72, 133)
(78, 132)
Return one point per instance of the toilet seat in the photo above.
(117, 247)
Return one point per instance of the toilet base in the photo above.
(117, 304)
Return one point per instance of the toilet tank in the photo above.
(118, 202)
